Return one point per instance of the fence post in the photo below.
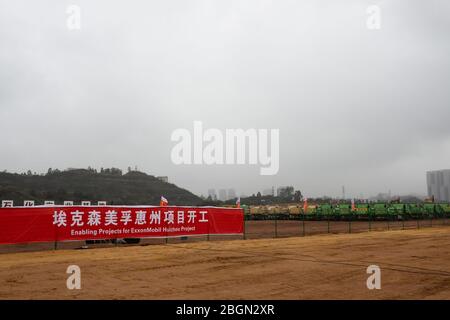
(55, 245)
(370, 222)
(328, 224)
(350, 225)
(276, 227)
(303, 223)
(244, 235)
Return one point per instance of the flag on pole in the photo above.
(305, 205)
(353, 205)
(163, 202)
(238, 202)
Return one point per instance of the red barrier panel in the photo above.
(41, 224)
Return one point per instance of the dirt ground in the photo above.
(415, 264)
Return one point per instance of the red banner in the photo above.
(42, 224)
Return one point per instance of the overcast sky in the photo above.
(368, 109)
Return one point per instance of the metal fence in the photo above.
(281, 225)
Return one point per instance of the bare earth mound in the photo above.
(415, 264)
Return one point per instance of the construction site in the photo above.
(414, 264)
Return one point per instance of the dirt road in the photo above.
(415, 264)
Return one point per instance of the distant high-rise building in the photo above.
(231, 194)
(438, 185)
(268, 192)
(163, 178)
(223, 195)
(212, 194)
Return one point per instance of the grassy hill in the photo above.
(132, 188)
